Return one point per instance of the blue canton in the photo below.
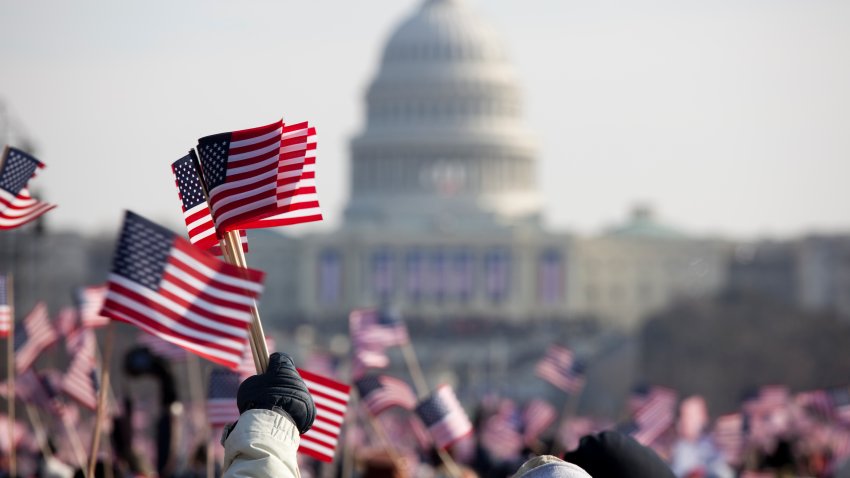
(213, 151)
(18, 168)
(188, 182)
(367, 385)
(142, 252)
(432, 410)
(21, 337)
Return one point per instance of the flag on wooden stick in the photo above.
(17, 207)
(560, 368)
(36, 335)
(260, 177)
(181, 294)
(90, 300)
(5, 309)
(444, 416)
(80, 382)
(380, 392)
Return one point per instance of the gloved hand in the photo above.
(281, 389)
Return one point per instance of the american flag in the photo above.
(368, 357)
(221, 399)
(17, 207)
(444, 416)
(655, 416)
(371, 328)
(36, 335)
(80, 382)
(161, 348)
(66, 321)
(42, 390)
(331, 399)
(179, 293)
(196, 211)
(537, 417)
(729, 436)
(90, 300)
(500, 434)
(5, 310)
(261, 177)
(816, 402)
(559, 368)
(380, 392)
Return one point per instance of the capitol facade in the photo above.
(444, 218)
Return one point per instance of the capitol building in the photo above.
(444, 218)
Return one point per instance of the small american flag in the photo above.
(444, 416)
(538, 416)
(365, 358)
(5, 309)
(559, 368)
(91, 301)
(81, 380)
(380, 392)
(331, 399)
(36, 335)
(500, 434)
(17, 207)
(261, 177)
(371, 328)
(179, 293)
(196, 211)
(655, 416)
(221, 399)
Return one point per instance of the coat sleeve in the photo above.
(262, 444)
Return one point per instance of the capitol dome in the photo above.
(444, 143)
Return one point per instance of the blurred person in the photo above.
(275, 407)
(604, 455)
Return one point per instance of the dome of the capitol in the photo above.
(444, 141)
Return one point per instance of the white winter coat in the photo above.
(261, 445)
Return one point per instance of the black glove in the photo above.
(281, 389)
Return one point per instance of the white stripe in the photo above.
(251, 154)
(329, 403)
(167, 321)
(316, 435)
(191, 212)
(290, 148)
(256, 139)
(211, 308)
(192, 346)
(219, 203)
(248, 207)
(237, 184)
(311, 385)
(296, 132)
(309, 444)
(199, 237)
(296, 213)
(326, 427)
(216, 276)
(252, 167)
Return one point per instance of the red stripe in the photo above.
(253, 147)
(152, 323)
(198, 215)
(254, 132)
(272, 166)
(327, 382)
(208, 260)
(315, 454)
(283, 221)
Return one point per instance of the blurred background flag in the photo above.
(380, 392)
(559, 368)
(179, 293)
(331, 399)
(91, 301)
(17, 207)
(371, 328)
(256, 174)
(36, 335)
(161, 348)
(80, 382)
(221, 397)
(537, 417)
(444, 416)
(655, 416)
(196, 210)
(5, 310)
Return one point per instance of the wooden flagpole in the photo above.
(422, 391)
(76, 444)
(10, 368)
(101, 397)
(38, 427)
(231, 249)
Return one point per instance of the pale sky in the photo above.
(731, 117)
